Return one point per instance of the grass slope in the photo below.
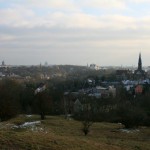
(57, 133)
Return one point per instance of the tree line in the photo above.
(20, 98)
(131, 111)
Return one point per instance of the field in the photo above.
(57, 133)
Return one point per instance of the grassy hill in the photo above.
(57, 133)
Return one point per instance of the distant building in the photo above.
(126, 74)
(103, 91)
(139, 73)
(112, 91)
(94, 67)
(41, 88)
(138, 89)
(46, 64)
(123, 74)
(3, 63)
(77, 106)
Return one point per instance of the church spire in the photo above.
(140, 62)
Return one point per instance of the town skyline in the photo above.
(3, 63)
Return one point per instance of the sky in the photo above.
(76, 32)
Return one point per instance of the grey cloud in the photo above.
(73, 46)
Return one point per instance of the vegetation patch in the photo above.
(61, 134)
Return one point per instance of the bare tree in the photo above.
(87, 115)
(87, 123)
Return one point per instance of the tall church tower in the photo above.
(139, 73)
(3, 63)
(140, 62)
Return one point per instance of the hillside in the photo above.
(57, 133)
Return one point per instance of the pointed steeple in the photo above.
(140, 62)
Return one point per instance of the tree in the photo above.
(87, 121)
(9, 99)
(86, 114)
(27, 98)
(42, 103)
(131, 116)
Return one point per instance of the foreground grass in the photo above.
(57, 133)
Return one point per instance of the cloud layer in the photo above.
(74, 31)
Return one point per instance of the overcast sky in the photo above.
(104, 32)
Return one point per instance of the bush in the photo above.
(131, 116)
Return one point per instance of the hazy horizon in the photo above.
(73, 32)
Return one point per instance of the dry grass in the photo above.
(60, 134)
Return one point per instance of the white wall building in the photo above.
(94, 67)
